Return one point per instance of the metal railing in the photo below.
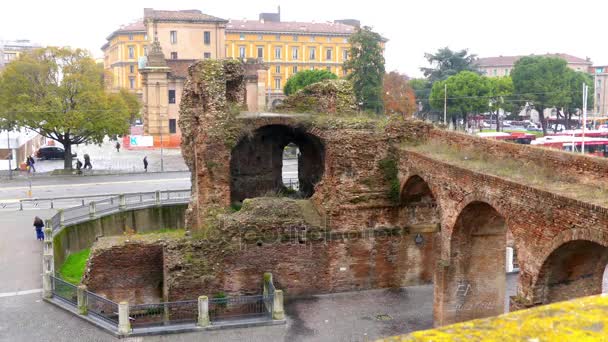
(169, 313)
(117, 203)
(102, 308)
(64, 290)
(243, 307)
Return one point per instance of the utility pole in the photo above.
(585, 91)
(445, 104)
(10, 153)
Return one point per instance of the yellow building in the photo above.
(121, 54)
(289, 47)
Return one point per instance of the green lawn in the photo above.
(536, 133)
(73, 268)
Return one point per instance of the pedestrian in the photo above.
(38, 224)
(146, 163)
(87, 161)
(78, 166)
(30, 163)
(117, 146)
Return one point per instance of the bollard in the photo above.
(203, 311)
(277, 306)
(81, 299)
(47, 287)
(157, 197)
(124, 326)
(122, 202)
(61, 217)
(92, 209)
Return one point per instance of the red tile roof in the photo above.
(289, 27)
(179, 67)
(183, 15)
(134, 27)
(510, 60)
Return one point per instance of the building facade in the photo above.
(122, 52)
(503, 65)
(10, 50)
(600, 75)
(289, 47)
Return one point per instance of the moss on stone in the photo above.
(583, 319)
(389, 167)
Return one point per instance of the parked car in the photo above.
(51, 152)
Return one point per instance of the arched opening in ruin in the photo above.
(476, 278)
(574, 269)
(256, 164)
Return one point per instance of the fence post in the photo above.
(157, 196)
(61, 217)
(92, 209)
(203, 311)
(81, 299)
(47, 287)
(267, 280)
(48, 261)
(124, 326)
(277, 305)
(122, 202)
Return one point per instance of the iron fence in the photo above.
(64, 290)
(146, 315)
(102, 308)
(244, 307)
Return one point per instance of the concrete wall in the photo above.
(82, 235)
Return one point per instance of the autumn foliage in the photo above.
(399, 97)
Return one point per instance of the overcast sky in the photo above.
(486, 28)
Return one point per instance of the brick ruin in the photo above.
(372, 213)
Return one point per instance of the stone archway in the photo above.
(574, 269)
(473, 284)
(257, 160)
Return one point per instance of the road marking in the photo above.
(19, 293)
(95, 184)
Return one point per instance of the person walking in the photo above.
(30, 162)
(87, 161)
(117, 146)
(146, 163)
(78, 166)
(38, 225)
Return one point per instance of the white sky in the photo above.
(486, 28)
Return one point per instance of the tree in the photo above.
(399, 97)
(307, 77)
(58, 92)
(542, 81)
(132, 102)
(573, 101)
(446, 63)
(366, 68)
(422, 89)
(499, 88)
(467, 92)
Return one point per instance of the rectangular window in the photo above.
(277, 83)
(260, 37)
(131, 51)
(171, 96)
(172, 126)
(130, 36)
(328, 68)
(328, 54)
(277, 52)
(295, 69)
(145, 36)
(343, 72)
(207, 55)
(495, 72)
(242, 52)
(173, 37)
(344, 55)
(207, 37)
(329, 39)
(132, 82)
(173, 55)
(278, 37)
(294, 53)
(242, 37)
(507, 72)
(312, 38)
(312, 53)
(260, 52)
(131, 68)
(277, 69)
(145, 50)
(295, 38)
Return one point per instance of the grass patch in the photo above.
(530, 174)
(73, 267)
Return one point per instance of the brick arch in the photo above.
(433, 188)
(256, 160)
(589, 246)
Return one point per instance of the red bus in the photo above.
(593, 146)
(516, 137)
